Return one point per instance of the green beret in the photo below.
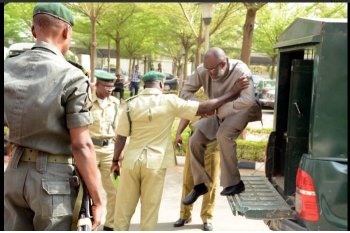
(104, 76)
(57, 10)
(153, 75)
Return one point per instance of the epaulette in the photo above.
(131, 98)
(128, 109)
(79, 67)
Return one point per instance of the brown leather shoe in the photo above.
(181, 222)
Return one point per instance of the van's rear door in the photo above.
(260, 200)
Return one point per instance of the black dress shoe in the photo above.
(197, 190)
(234, 189)
(207, 226)
(107, 228)
(181, 222)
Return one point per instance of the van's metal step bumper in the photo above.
(260, 200)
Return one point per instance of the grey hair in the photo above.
(216, 52)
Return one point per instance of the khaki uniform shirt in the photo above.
(152, 114)
(44, 96)
(105, 121)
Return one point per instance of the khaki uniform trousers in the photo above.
(139, 182)
(212, 166)
(104, 164)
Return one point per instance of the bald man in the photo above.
(217, 75)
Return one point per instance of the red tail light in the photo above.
(305, 199)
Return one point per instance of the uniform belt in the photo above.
(101, 142)
(30, 155)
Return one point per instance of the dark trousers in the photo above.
(134, 88)
(121, 92)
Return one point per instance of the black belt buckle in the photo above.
(105, 142)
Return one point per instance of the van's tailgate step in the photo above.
(260, 200)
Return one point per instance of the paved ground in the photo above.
(223, 220)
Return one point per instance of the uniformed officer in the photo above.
(47, 108)
(102, 131)
(147, 120)
(212, 166)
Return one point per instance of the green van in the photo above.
(306, 166)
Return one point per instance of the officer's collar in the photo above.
(151, 91)
(94, 97)
(47, 46)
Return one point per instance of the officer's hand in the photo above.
(96, 213)
(208, 114)
(115, 167)
(241, 84)
(178, 141)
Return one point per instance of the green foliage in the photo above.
(6, 130)
(17, 22)
(251, 150)
(259, 131)
(267, 31)
(126, 93)
(168, 29)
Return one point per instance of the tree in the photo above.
(17, 22)
(248, 30)
(177, 40)
(283, 14)
(116, 23)
(93, 11)
(223, 12)
(268, 31)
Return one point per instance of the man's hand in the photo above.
(85, 160)
(178, 141)
(115, 168)
(96, 213)
(241, 84)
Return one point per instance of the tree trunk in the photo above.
(93, 49)
(184, 77)
(173, 70)
(109, 58)
(130, 68)
(117, 51)
(145, 65)
(178, 67)
(272, 74)
(248, 30)
(200, 41)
